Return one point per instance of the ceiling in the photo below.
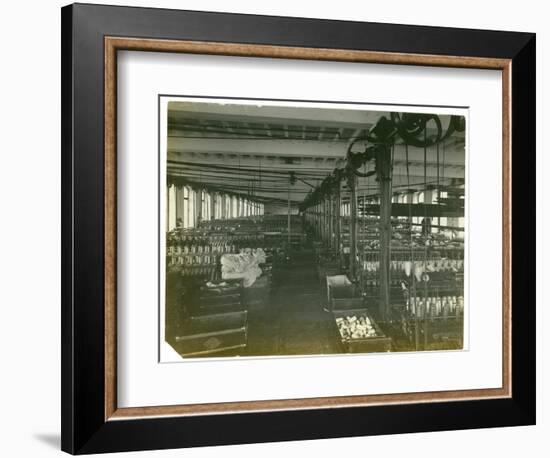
(251, 148)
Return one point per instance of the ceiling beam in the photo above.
(297, 148)
(290, 115)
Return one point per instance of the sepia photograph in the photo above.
(292, 228)
(270, 221)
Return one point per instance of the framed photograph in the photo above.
(284, 228)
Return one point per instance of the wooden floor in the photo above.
(291, 321)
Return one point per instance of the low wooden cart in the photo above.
(342, 294)
(216, 323)
(378, 343)
(227, 294)
(213, 333)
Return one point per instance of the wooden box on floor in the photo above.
(227, 294)
(217, 322)
(342, 294)
(213, 334)
(378, 343)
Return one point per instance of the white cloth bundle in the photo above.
(243, 265)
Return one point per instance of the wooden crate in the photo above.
(225, 300)
(342, 294)
(224, 288)
(345, 297)
(209, 334)
(379, 343)
(221, 296)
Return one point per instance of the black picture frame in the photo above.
(84, 428)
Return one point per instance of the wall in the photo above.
(30, 230)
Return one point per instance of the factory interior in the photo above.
(300, 229)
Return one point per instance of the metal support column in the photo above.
(338, 221)
(330, 221)
(322, 226)
(322, 221)
(198, 206)
(212, 205)
(352, 183)
(383, 167)
(319, 232)
(288, 219)
(327, 221)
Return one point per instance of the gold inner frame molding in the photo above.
(114, 44)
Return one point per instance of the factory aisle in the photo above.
(293, 321)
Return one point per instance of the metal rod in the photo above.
(352, 183)
(438, 189)
(212, 206)
(383, 166)
(198, 207)
(425, 250)
(330, 221)
(338, 221)
(325, 231)
(416, 323)
(288, 218)
(426, 311)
